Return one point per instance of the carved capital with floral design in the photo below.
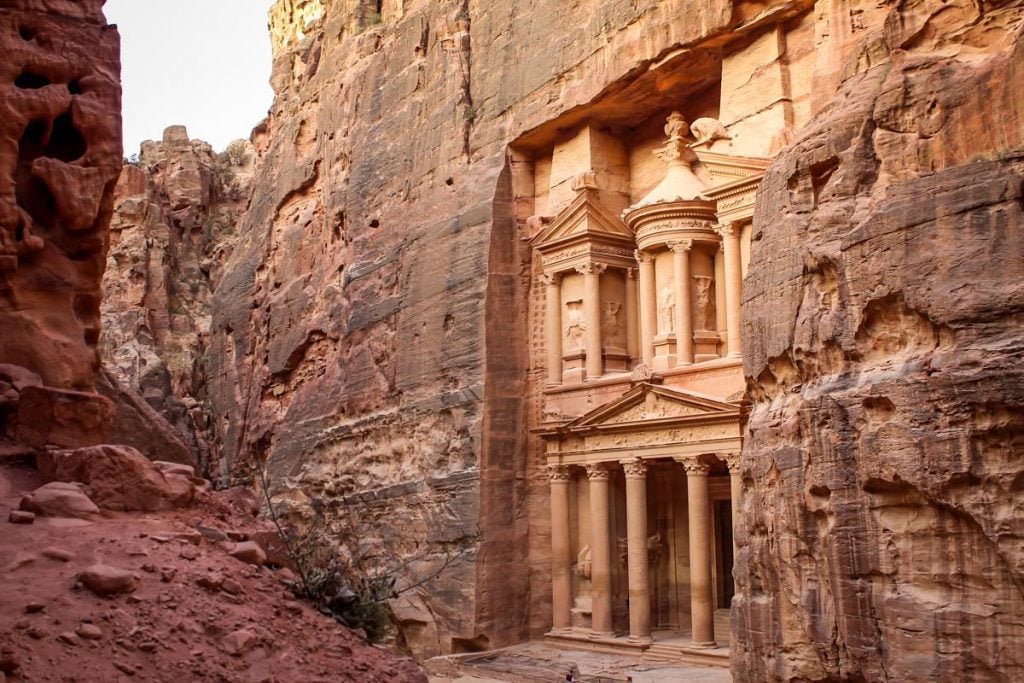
(643, 256)
(598, 472)
(732, 461)
(694, 467)
(727, 230)
(635, 469)
(551, 279)
(682, 246)
(559, 474)
(591, 268)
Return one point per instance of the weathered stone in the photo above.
(249, 552)
(119, 478)
(60, 124)
(21, 517)
(60, 499)
(48, 416)
(105, 580)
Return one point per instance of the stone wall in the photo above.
(883, 468)
(60, 153)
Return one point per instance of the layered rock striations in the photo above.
(174, 222)
(882, 335)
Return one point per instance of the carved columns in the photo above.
(561, 556)
(732, 461)
(702, 609)
(592, 314)
(553, 325)
(730, 233)
(636, 549)
(648, 307)
(684, 316)
(600, 545)
(632, 329)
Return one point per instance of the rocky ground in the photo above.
(91, 595)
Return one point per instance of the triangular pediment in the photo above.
(585, 216)
(648, 402)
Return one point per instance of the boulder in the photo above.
(239, 642)
(60, 499)
(60, 417)
(249, 552)
(119, 478)
(104, 580)
(21, 517)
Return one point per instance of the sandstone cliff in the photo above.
(883, 468)
(174, 222)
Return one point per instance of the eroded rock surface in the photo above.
(883, 310)
(60, 154)
(174, 221)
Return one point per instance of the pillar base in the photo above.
(597, 635)
(559, 631)
(704, 645)
(641, 640)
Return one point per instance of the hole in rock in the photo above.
(19, 234)
(27, 32)
(449, 182)
(375, 223)
(66, 142)
(75, 87)
(28, 80)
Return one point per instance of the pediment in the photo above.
(648, 402)
(585, 216)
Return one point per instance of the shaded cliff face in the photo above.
(60, 153)
(174, 224)
(882, 320)
(369, 333)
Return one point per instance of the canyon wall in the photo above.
(175, 215)
(369, 334)
(882, 334)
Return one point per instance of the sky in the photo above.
(204, 64)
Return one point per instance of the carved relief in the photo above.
(703, 303)
(694, 467)
(585, 563)
(667, 309)
(707, 130)
(654, 545)
(575, 327)
(613, 332)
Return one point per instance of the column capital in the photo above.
(591, 268)
(598, 472)
(631, 273)
(558, 473)
(643, 256)
(551, 279)
(728, 229)
(732, 461)
(682, 246)
(635, 469)
(694, 467)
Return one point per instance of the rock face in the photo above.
(883, 470)
(60, 154)
(174, 219)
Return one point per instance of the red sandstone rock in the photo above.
(249, 552)
(61, 151)
(105, 580)
(60, 499)
(119, 478)
(21, 517)
(56, 417)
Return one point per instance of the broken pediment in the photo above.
(584, 218)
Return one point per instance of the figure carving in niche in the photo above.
(704, 313)
(576, 327)
(584, 563)
(611, 325)
(707, 130)
(667, 309)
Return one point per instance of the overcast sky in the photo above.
(201, 63)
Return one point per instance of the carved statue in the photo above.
(708, 130)
(703, 311)
(653, 550)
(611, 324)
(584, 563)
(576, 327)
(667, 309)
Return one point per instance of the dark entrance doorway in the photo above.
(723, 541)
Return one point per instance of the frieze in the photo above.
(586, 250)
